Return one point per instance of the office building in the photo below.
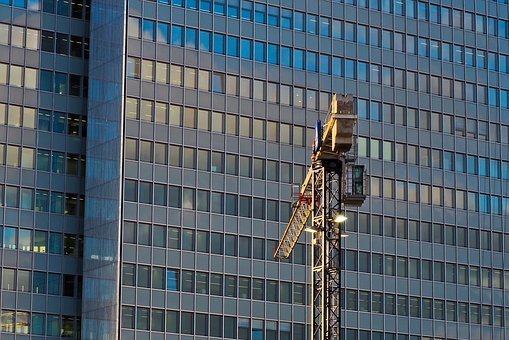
(194, 119)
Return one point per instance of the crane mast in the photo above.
(333, 181)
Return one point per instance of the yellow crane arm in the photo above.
(336, 139)
(301, 212)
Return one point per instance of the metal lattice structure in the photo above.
(322, 197)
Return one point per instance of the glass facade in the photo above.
(149, 203)
(44, 52)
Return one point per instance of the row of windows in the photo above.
(41, 282)
(74, 8)
(434, 121)
(18, 36)
(348, 31)
(40, 241)
(61, 122)
(213, 284)
(218, 122)
(213, 161)
(416, 268)
(428, 232)
(18, 76)
(204, 200)
(45, 201)
(14, 115)
(62, 83)
(65, 44)
(50, 81)
(54, 161)
(20, 322)
(350, 69)
(230, 84)
(314, 24)
(436, 158)
(439, 196)
(33, 5)
(220, 326)
(207, 242)
(425, 308)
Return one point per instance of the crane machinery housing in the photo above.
(333, 182)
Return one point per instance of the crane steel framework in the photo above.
(332, 182)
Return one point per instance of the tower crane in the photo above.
(332, 182)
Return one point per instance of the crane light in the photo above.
(340, 218)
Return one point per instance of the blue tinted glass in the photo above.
(286, 18)
(55, 243)
(410, 8)
(423, 11)
(9, 240)
(472, 165)
(205, 5)
(434, 49)
(246, 49)
(312, 24)
(220, 7)
(233, 8)
(233, 46)
(362, 108)
(311, 61)
(324, 64)
(492, 96)
(163, 34)
(19, 3)
(483, 167)
(492, 61)
(350, 69)
(504, 99)
(503, 63)
(193, 4)
(54, 284)
(374, 111)
(505, 170)
(273, 18)
(148, 29)
(273, 54)
(299, 21)
(46, 81)
(39, 282)
(260, 11)
(176, 35)
(37, 326)
(172, 280)
(219, 43)
(60, 83)
(496, 205)
(191, 38)
(362, 71)
(286, 56)
(298, 59)
(502, 28)
(63, 7)
(337, 66)
(44, 123)
(247, 10)
(446, 52)
(460, 163)
(59, 122)
(5, 2)
(495, 168)
(179, 3)
(259, 49)
(205, 41)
